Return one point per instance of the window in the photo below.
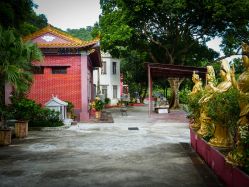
(103, 69)
(104, 90)
(59, 70)
(115, 91)
(38, 70)
(114, 68)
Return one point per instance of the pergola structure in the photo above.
(157, 71)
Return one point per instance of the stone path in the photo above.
(108, 154)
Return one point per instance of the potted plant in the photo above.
(98, 105)
(22, 110)
(107, 102)
(5, 131)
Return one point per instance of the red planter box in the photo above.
(231, 176)
(136, 104)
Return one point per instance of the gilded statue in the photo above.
(221, 136)
(195, 124)
(198, 84)
(242, 85)
(205, 121)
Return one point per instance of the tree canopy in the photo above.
(173, 31)
(17, 18)
(20, 15)
(83, 33)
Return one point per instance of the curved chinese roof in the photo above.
(50, 37)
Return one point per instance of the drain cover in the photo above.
(133, 128)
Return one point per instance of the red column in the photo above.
(84, 114)
(150, 90)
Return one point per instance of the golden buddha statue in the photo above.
(206, 126)
(243, 87)
(195, 123)
(198, 84)
(221, 136)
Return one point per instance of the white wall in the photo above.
(109, 79)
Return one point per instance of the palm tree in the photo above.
(15, 63)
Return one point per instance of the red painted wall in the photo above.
(66, 86)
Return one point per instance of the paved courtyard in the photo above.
(108, 154)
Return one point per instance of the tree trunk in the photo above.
(2, 104)
(142, 92)
(174, 85)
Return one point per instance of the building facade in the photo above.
(66, 70)
(108, 78)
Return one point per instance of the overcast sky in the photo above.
(73, 14)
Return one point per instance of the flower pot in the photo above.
(97, 114)
(5, 136)
(21, 129)
(69, 115)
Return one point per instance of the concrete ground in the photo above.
(108, 154)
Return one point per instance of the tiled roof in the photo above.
(71, 41)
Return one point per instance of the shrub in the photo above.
(183, 96)
(107, 100)
(26, 109)
(98, 104)
(23, 109)
(224, 109)
(244, 137)
(193, 105)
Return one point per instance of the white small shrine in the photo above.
(57, 105)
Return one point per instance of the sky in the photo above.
(73, 14)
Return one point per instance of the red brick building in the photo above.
(66, 70)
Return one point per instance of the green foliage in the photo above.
(28, 110)
(14, 13)
(33, 23)
(223, 108)
(135, 74)
(99, 105)
(20, 16)
(15, 61)
(70, 106)
(83, 33)
(240, 155)
(23, 109)
(107, 100)
(244, 134)
(193, 105)
(184, 96)
(46, 118)
(171, 32)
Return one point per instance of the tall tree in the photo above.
(170, 31)
(13, 13)
(17, 16)
(134, 74)
(15, 62)
(20, 15)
